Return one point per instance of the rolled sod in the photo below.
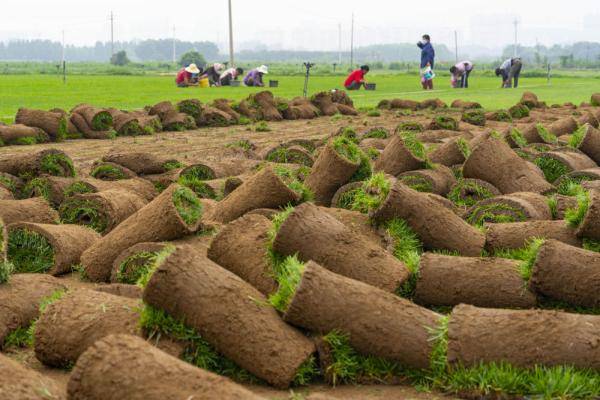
(564, 182)
(139, 186)
(51, 162)
(345, 196)
(98, 119)
(71, 324)
(86, 131)
(479, 281)
(313, 234)
(213, 117)
(176, 212)
(191, 107)
(101, 211)
(229, 314)
(564, 126)
(567, 274)
(493, 161)
(36, 209)
(241, 247)
(226, 106)
(142, 163)
(334, 167)
(555, 164)
(19, 382)
(452, 152)
(125, 124)
(174, 121)
(523, 338)
(432, 104)
(468, 192)
(358, 223)
(403, 153)
(438, 135)
(221, 169)
(522, 134)
(108, 171)
(382, 323)
(52, 188)
(474, 117)
(530, 99)
(515, 235)
(443, 122)
(292, 155)
(517, 207)
(590, 223)
(22, 135)
(121, 289)
(44, 248)
(499, 116)
(54, 124)
(127, 367)
(438, 180)
(588, 141)
(465, 105)
(401, 104)
(519, 111)
(438, 227)
(265, 189)
(3, 240)
(135, 261)
(24, 293)
(588, 118)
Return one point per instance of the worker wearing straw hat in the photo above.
(188, 76)
(255, 76)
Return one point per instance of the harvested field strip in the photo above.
(30, 252)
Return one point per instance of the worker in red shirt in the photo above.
(356, 79)
(188, 76)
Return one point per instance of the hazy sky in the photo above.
(306, 24)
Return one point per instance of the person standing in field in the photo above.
(213, 73)
(427, 62)
(255, 76)
(188, 76)
(229, 75)
(461, 71)
(356, 79)
(510, 71)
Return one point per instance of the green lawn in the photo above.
(126, 92)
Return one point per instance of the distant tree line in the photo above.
(576, 55)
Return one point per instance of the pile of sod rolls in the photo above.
(460, 258)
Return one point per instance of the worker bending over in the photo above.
(255, 76)
(356, 79)
(460, 72)
(510, 70)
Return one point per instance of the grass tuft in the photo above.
(293, 182)
(29, 251)
(478, 193)
(376, 133)
(135, 266)
(288, 275)
(199, 172)
(262, 126)
(518, 137)
(57, 164)
(146, 273)
(575, 216)
(408, 249)
(188, 205)
(526, 255)
(464, 147)
(173, 164)
(546, 136)
(577, 137)
(108, 172)
(409, 127)
(6, 270)
(83, 212)
(372, 194)
(445, 122)
(496, 213)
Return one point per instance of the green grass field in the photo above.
(128, 92)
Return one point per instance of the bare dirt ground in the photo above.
(210, 144)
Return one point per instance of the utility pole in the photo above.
(112, 34)
(174, 47)
(352, 44)
(516, 23)
(231, 60)
(456, 45)
(340, 44)
(63, 62)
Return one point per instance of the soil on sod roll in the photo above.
(176, 212)
(127, 367)
(241, 247)
(71, 324)
(359, 224)
(382, 323)
(84, 129)
(20, 300)
(174, 121)
(567, 274)
(3, 240)
(29, 210)
(226, 106)
(438, 180)
(265, 189)
(141, 163)
(588, 141)
(18, 382)
(515, 235)
(588, 118)
(554, 164)
(483, 282)
(228, 313)
(516, 207)
(135, 261)
(564, 126)
(467, 192)
(22, 135)
(523, 338)
(214, 117)
(52, 188)
(403, 153)
(466, 105)
(439, 135)
(6, 194)
(452, 152)
(139, 186)
(121, 289)
(98, 119)
(291, 155)
(126, 124)
(54, 124)
(333, 168)
(52, 162)
(108, 171)
(590, 225)
(220, 169)
(495, 162)
(101, 211)
(313, 234)
(438, 227)
(29, 252)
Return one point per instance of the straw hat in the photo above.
(263, 69)
(192, 69)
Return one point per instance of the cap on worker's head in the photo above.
(365, 68)
(263, 69)
(192, 69)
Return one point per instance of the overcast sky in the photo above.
(306, 24)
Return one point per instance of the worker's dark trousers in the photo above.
(464, 80)
(513, 75)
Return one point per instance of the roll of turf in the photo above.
(523, 338)
(241, 247)
(479, 281)
(451, 152)
(142, 163)
(24, 293)
(121, 289)
(44, 248)
(11, 183)
(135, 261)
(265, 189)
(176, 122)
(382, 323)
(71, 324)
(98, 119)
(52, 188)
(221, 169)
(20, 382)
(139, 186)
(517, 207)
(555, 164)
(438, 180)
(358, 223)
(86, 131)
(588, 118)
(29, 210)
(563, 126)
(515, 235)
(101, 211)
(399, 156)
(52, 162)
(6, 194)
(313, 234)
(229, 314)
(54, 124)
(566, 273)
(108, 171)
(588, 141)
(468, 192)
(174, 213)
(590, 224)
(127, 367)
(226, 106)
(494, 161)
(213, 117)
(584, 175)
(22, 134)
(437, 227)
(125, 124)
(292, 155)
